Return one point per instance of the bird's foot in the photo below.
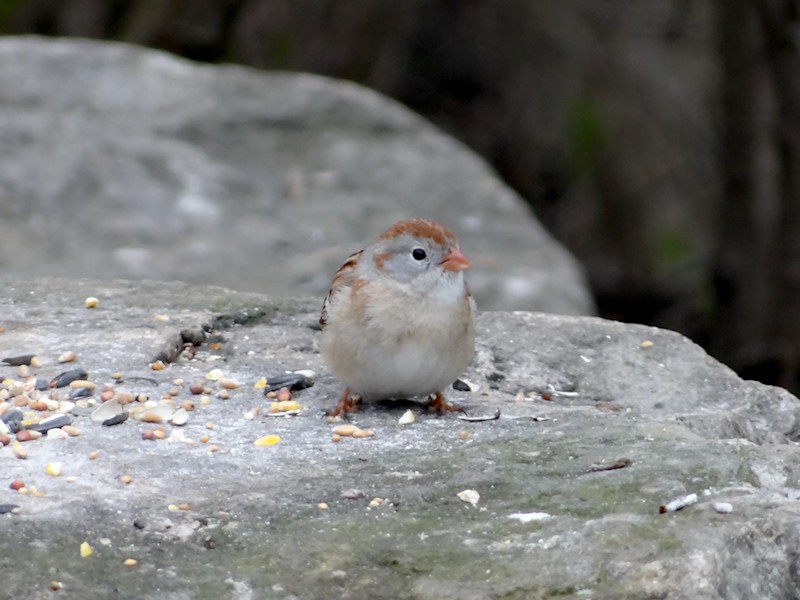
(347, 404)
(439, 405)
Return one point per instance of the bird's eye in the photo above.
(419, 254)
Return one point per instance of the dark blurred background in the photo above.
(659, 140)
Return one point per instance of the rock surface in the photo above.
(245, 521)
(131, 163)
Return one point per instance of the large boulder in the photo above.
(125, 162)
(600, 424)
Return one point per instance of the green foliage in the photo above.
(7, 8)
(587, 135)
(673, 249)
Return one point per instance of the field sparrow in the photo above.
(398, 321)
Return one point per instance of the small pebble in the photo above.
(196, 388)
(126, 479)
(17, 485)
(130, 562)
(336, 437)
(647, 344)
(157, 365)
(92, 455)
(223, 394)
(204, 439)
(23, 371)
(53, 469)
(323, 506)
(90, 302)
(86, 550)
(56, 585)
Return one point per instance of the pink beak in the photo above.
(455, 261)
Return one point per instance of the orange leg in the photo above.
(347, 404)
(440, 405)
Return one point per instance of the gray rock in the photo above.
(553, 518)
(126, 162)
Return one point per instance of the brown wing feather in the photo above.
(345, 277)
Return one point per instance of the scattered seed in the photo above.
(214, 375)
(126, 479)
(68, 356)
(90, 302)
(363, 433)
(67, 377)
(130, 562)
(16, 361)
(52, 422)
(19, 451)
(407, 418)
(322, 506)
(56, 434)
(71, 431)
(336, 438)
(375, 502)
(92, 455)
(285, 406)
(86, 550)
(204, 439)
(463, 435)
(491, 417)
(17, 485)
(53, 469)
(35, 362)
(209, 425)
(678, 504)
(530, 517)
(294, 381)
(116, 376)
(213, 448)
(268, 440)
(647, 344)
(618, 464)
(345, 430)
(723, 508)
(56, 585)
(162, 318)
(23, 371)
(159, 433)
(229, 384)
(157, 365)
(469, 496)
(260, 384)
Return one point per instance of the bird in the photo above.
(399, 320)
